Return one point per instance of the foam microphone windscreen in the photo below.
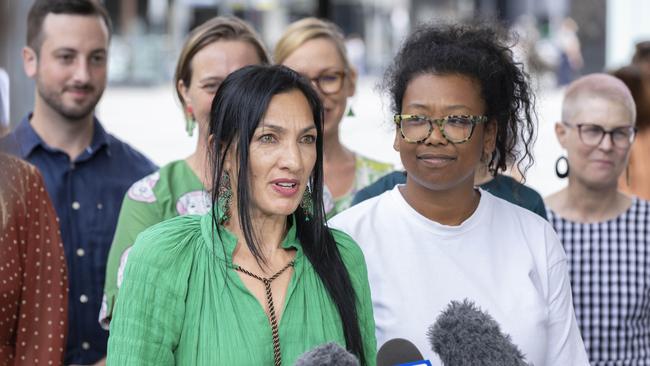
(397, 351)
(329, 354)
(463, 335)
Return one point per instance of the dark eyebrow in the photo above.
(449, 108)
(280, 129)
(68, 49)
(457, 107)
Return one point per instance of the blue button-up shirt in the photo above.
(87, 194)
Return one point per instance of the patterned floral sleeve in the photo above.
(367, 172)
(139, 211)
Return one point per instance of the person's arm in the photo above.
(43, 311)
(148, 317)
(565, 345)
(135, 217)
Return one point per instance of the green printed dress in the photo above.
(172, 191)
(367, 172)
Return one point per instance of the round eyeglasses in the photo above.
(456, 129)
(592, 135)
(329, 82)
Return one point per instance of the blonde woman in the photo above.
(315, 48)
(211, 52)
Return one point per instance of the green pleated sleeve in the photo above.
(148, 317)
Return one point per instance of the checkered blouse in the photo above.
(609, 265)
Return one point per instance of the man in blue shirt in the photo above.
(86, 170)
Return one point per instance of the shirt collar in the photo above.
(27, 138)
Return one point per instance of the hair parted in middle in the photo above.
(220, 28)
(237, 109)
(481, 52)
(304, 30)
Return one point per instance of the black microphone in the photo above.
(399, 351)
(463, 335)
(328, 354)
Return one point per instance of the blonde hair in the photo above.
(13, 186)
(301, 31)
(215, 29)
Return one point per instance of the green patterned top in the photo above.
(182, 302)
(172, 191)
(367, 172)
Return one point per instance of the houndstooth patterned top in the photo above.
(609, 266)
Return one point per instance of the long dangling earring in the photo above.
(557, 167)
(190, 121)
(307, 204)
(225, 198)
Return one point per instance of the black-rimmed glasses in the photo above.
(592, 135)
(456, 129)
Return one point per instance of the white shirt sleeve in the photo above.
(565, 345)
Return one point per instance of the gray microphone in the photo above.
(463, 335)
(328, 354)
(399, 351)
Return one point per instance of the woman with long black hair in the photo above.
(260, 279)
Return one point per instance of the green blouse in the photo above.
(172, 191)
(182, 303)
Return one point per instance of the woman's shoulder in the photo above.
(167, 242)
(640, 206)
(14, 168)
(501, 207)
(362, 211)
(350, 251)
(517, 227)
(515, 221)
(372, 164)
(517, 189)
(163, 185)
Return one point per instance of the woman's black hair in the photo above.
(237, 109)
(478, 51)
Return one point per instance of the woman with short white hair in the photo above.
(604, 232)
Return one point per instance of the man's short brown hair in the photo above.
(42, 8)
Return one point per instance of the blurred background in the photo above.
(558, 40)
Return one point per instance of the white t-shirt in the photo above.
(504, 258)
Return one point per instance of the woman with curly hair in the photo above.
(461, 102)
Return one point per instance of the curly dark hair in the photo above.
(480, 51)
